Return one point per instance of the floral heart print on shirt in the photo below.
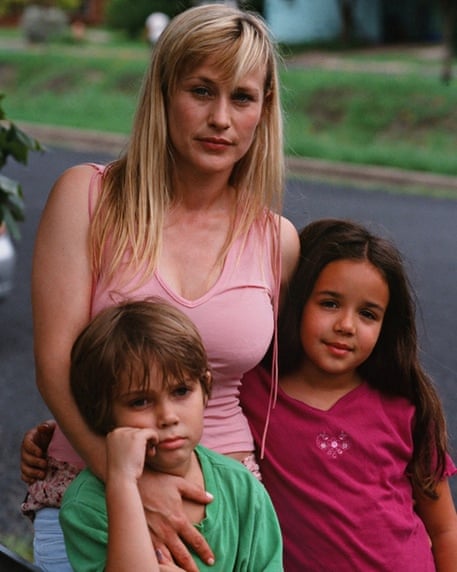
(333, 445)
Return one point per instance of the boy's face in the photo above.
(173, 410)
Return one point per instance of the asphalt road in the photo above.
(425, 229)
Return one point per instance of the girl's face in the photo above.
(174, 411)
(342, 318)
(211, 122)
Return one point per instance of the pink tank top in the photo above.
(236, 321)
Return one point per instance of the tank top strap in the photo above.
(276, 263)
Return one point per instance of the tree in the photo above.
(347, 13)
(448, 9)
(7, 5)
(130, 17)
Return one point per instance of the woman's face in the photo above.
(211, 122)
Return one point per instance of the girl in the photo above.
(356, 461)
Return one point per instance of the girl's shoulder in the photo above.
(397, 408)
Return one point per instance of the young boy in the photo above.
(139, 375)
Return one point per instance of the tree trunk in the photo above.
(449, 17)
(347, 9)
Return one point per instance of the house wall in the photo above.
(296, 21)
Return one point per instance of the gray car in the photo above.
(7, 263)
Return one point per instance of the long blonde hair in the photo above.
(137, 187)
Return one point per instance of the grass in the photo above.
(406, 120)
(21, 546)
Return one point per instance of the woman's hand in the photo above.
(169, 526)
(34, 451)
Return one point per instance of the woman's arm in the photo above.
(61, 297)
(440, 519)
(170, 528)
(61, 291)
(290, 252)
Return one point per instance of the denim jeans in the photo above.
(48, 543)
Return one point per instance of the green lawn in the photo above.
(406, 120)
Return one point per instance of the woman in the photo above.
(188, 214)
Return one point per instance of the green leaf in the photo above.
(11, 225)
(9, 187)
(11, 198)
(15, 143)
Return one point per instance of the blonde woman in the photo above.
(190, 214)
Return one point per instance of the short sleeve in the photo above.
(84, 523)
(449, 468)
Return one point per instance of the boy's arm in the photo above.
(113, 535)
(440, 519)
(129, 542)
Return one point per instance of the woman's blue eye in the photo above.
(242, 97)
(200, 91)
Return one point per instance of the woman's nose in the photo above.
(220, 114)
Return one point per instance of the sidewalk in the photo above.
(113, 143)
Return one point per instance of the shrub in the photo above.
(130, 17)
(17, 144)
(41, 23)
(8, 6)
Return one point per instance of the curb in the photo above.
(370, 174)
(76, 139)
(114, 143)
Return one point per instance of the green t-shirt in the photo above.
(240, 523)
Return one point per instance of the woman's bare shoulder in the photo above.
(75, 177)
(290, 248)
(71, 189)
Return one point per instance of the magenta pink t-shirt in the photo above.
(338, 480)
